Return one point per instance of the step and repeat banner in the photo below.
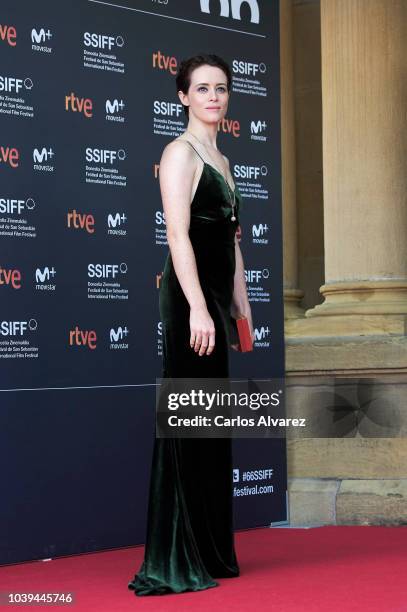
(87, 103)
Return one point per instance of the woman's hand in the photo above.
(202, 330)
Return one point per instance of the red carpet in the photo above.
(282, 569)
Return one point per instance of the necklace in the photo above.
(232, 203)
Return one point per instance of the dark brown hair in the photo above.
(186, 67)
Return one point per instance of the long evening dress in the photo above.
(189, 538)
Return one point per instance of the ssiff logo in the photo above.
(17, 328)
(14, 84)
(104, 156)
(250, 172)
(102, 41)
(160, 217)
(235, 5)
(8, 34)
(14, 206)
(255, 276)
(248, 68)
(167, 108)
(106, 270)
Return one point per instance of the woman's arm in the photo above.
(240, 301)
(177, 171)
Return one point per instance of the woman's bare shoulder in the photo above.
(177, 152)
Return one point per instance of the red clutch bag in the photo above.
(240, 333)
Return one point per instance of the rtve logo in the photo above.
(13, 84)
(8, 34)
(44, 275)
(226, 5)
(10, 156)
(102, 41)
(248, 68)
(120, 334)
(17, 328)
(40, 36)
(167, 108)
(261, 333)
(114, 107)
(229, 126)
(249, 172)
(259, 230)
(10, 277)
(43, 155)
(104, 155)
(81, 105)
(165, 62)
(116, 220)
(254, 276)
(87, 338)
(106, 270)
(158, 278)
(257, 127)
(10, 205)
(77, 220)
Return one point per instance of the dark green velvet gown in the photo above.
(190, 539)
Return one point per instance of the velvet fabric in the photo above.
(189, 538)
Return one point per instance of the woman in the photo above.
(190, 522)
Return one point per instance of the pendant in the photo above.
(233, 218)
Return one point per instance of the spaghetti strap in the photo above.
(195, 150)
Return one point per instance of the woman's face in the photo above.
(208, 96)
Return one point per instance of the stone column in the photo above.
(364, 75)
(292, 294)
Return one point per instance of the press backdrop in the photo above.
(87, 103)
